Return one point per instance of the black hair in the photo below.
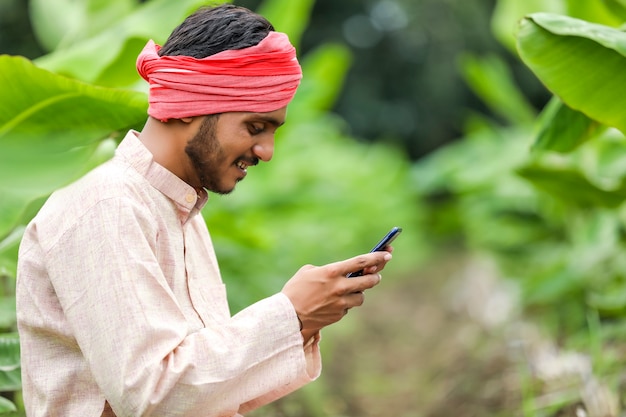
(210, 30)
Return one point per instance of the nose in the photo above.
(264, 149)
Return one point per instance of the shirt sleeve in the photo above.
(313, 360)
(135, 338)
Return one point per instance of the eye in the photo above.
(256, 128)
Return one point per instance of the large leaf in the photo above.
(594, 11)
(109, 58)
(60, 23)
(507, 14)
(564, 129)
(584, 64)
(50, 127)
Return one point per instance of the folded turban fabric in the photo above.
(261, 78)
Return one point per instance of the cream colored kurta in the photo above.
(122, 310)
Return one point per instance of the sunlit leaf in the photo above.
(507, 14)
(584, 64)
(50, 128)
(108, 58)
(60, 23)
(617, 7)
(593, 11)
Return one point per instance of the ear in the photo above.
(186, 120)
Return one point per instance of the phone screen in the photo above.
(385, 241)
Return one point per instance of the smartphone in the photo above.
(389, 237)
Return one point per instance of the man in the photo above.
(121, 307)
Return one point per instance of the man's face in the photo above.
(226, 145)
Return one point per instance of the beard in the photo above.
(206, 153)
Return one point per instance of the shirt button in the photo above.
(190, 198)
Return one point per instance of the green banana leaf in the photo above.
(108, 59)
(61, 23)
(563, 129)
(507, 13)
(582, 63)
(52, 130)
(602, 12)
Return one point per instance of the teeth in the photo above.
(242, 165)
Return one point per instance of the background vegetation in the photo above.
(419, 114)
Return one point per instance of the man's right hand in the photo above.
(322, 295)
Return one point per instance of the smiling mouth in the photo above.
(242, 165)
(245, 163)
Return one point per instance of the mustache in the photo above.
(252, 161)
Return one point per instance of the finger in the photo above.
(362, 283)
(388, 248)
(373, 269)
(354, 299)
(361, 262)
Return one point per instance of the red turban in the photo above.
(261, 78)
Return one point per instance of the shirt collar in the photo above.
(188, 201)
